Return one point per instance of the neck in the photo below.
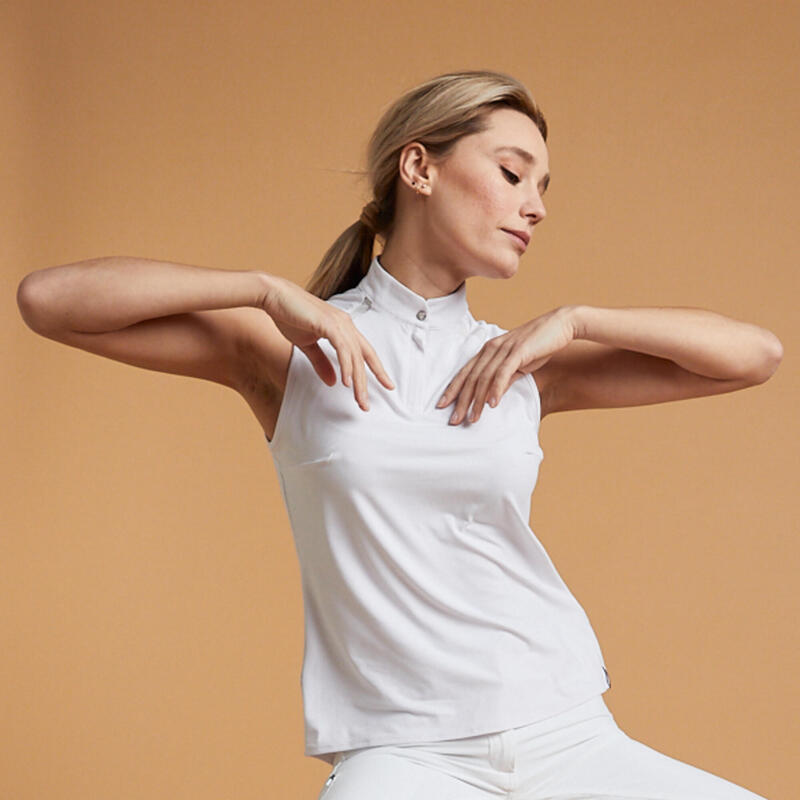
(424, 277)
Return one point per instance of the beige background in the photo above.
(150, 606)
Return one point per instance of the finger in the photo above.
(320, 362)
(343, 355)
(504, 376)
(374, 363)
(454, 387)
(511, 381)
(487, 378)
(465, 395)
(350, 369)
(500, 393)
(503, 379)
(467, 391)
(360, 380)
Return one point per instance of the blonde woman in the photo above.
(445, 657)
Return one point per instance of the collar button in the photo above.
(422, 314)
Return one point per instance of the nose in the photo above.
(534, 208)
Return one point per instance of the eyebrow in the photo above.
(525, 156)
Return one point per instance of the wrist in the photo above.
(577, 315)
(265, 288)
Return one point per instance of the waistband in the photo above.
(501, 745)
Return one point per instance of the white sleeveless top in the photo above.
(431, 609)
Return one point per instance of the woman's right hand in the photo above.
(303, 318)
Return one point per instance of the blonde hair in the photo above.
(437, 113)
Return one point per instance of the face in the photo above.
(484, 189)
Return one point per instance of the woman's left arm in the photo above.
(696, 339)
(589, 357)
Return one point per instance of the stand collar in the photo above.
(384, 291)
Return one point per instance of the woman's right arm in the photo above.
(214, 324)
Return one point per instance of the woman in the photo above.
(444, 656)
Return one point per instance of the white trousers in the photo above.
(580, 754)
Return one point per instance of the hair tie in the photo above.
(369, 216)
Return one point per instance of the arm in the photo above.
(235, 327)
(637, 356)
(157, 315)
(106, 294)
(698, 340)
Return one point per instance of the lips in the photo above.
(521, 236)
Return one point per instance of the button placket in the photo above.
(420, 332)
(419, 336)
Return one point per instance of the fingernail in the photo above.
(492, 401)
(453, 417)
(441, 402)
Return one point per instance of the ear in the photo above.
(415, 164)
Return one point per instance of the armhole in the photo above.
(283, 410)
(537, 417)
(536, 409)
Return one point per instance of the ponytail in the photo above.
(347, 260)
(345, 263)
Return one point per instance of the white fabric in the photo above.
(432, 611)
(580, 754)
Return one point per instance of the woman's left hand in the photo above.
(504, 359)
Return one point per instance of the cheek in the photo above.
(473, 206)
(488, 200)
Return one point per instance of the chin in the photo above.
(494, 265)
(506, 269)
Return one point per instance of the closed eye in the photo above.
(508, 173)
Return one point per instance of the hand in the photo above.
(506, 358)
(303, 318)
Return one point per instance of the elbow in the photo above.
(35, 299)
(48, 298)
(770, 360)
(31, 303)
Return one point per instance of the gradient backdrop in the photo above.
(150, 607)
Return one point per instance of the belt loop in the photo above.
(490, 739)
(502, 750)
(510, 742)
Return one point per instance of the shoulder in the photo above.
(348, 300)
(529, 383)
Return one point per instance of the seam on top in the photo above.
(291, 380)
(284, 409)
(538, 415)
